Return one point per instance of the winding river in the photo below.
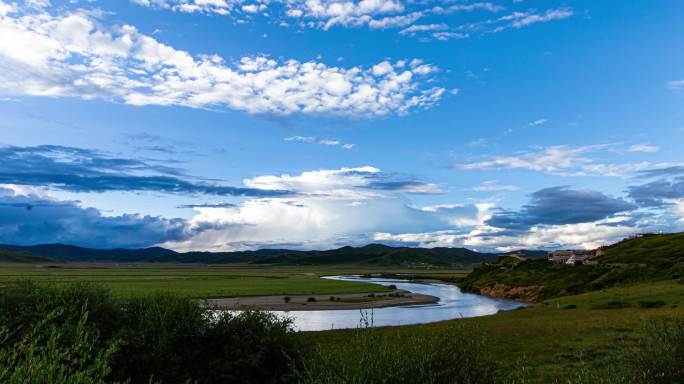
(452, 304)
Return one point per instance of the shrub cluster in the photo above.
(80, 334)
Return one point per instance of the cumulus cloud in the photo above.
(557, 217)
(84, 170)
(73, 54)
(29, 218)
(348, 182)
(330, 208)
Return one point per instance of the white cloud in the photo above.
(330, 208)
(555, 159)
(583, 236)
(645, 148)
(487, 6)
(358, 182)
(525, 19)
(516, 20)
(374, 14)
(316, 140)
(412, 30)
(562, 160)
(679, 208)
(73, 55)
(494, 186)
(538, 122)
(676, 85)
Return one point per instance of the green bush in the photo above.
(250, 347)
(41, 356)
(25, 303)
(80, 334)
(615, 304)
(158, 336)
(651, 304)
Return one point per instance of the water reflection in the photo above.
(452, 304)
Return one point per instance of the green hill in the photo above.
(647, 249)
(10, 256)
(369, 255)
(641, 259)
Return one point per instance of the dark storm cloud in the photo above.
(84, 170)
(560, 205)
(657, 193)
(392, 182)
(675, 170)
(27, 220)
(667, 184)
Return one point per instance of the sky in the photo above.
(314, 124)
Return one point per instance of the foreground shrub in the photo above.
(175, 340)
(250, 347)
(159, 336)
(65, 334)
(39, 358)
(389, 356)
(25, 303)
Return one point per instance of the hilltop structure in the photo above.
(570, 256)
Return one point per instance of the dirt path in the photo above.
(323, 302)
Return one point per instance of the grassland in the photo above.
(205, 281)
(555, 339)
(586, 314)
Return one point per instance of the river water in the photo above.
(452, 304)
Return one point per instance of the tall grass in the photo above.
(656, 356)
(378, 356)
(41, 356)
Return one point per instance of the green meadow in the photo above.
(206, 282)
(552, 341)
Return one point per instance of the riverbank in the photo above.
(340, 301)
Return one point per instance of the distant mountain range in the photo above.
(370, 255)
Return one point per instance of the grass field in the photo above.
(206, 282)
(550, 340)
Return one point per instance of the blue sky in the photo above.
(242, 124)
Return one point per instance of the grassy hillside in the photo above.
(648, 249)
(555, 341)
(645, 259)
(10, 256)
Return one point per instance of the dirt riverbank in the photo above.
(324, 302)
